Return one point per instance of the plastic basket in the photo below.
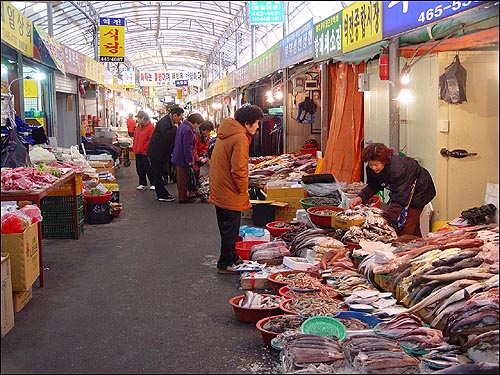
(98, 213)
(243, 248)
(59, 203)
(61, 230)
(324, 326)
(67, 188)
(98, 198)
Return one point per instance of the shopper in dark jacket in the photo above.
(409, 184)
(160, 151)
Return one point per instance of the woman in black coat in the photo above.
(409, 184)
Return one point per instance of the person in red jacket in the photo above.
(143, 132)
(131, 125)
(202, 139)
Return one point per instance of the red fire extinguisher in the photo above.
(383, 65)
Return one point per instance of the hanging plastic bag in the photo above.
(452, 83)
(14, 150)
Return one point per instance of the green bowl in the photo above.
(324, 326)
(318, 201)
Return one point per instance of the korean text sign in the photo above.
(402, 16)
(361, 25)
(17, 30)
(265, 12)
(111, 39)
(328, 37)
(298, 45)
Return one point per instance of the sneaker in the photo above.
(170, 198)
(141, 187)
(152, 187)
(230, 270)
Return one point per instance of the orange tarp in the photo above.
(342, 157)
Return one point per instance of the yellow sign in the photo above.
(17, 29)
(361, 25)
(179, 93)
(30, 88)
(111, 39)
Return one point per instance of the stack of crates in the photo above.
(58, 212)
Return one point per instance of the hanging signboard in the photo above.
(147, 78)
(402, 16)
(361, 25)
(241, 75)
(265, 12)
(111, 39)
(53, 47)
(74, 61)
(298, 45)
(328, 37)
(192, 76)
(265, 64)
(181, 82)
(17, 29)
(128, 77)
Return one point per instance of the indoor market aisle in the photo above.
(138, 295)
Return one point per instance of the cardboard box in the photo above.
(344, 224)
(7, 304)
(254, 280)
(21, 299)
(24, 257)
(288, 194)
(101, 163)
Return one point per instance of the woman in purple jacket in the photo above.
(183, 154)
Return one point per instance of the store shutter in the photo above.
(66, 83)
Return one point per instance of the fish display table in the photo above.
(36, 196)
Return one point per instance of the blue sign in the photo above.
(298, 45)
(402, 16)
(181, 82)
(265, 12)
(112, 21)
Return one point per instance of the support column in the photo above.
(393, 93)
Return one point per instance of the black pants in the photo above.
(157, 167)
(229, 228)
(143, 168)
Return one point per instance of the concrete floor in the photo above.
(138, 295)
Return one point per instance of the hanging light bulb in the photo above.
(405, 97)
(279, 94)
(405, 79)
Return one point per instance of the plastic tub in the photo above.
(243, 248)
(278, 284)
(322, 220)
(371, 320)
(267, 336)
(251, 315)
(98, 198)
(277, 232)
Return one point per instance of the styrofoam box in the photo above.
(297, 263)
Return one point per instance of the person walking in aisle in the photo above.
(143, 133)
(131, 125)
(202, 139)
(229, 180)
(410, 187)
(183, 155)
(160, 151)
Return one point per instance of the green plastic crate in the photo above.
(61, 230)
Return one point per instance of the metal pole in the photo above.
(393, 93)
(253, 42)
(50, 19)
(324, 105)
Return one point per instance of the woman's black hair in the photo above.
(248, 114)
(195, 118)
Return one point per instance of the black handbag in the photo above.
(192, 181)
(14, 150)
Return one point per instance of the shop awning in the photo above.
(48, 50)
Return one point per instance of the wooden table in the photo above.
(36, 196)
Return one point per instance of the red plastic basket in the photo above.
(243, 248)
(98, 198)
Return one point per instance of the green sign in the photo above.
(328, 37)
(265, 63)
(265, 12)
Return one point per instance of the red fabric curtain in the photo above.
(342, 157)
